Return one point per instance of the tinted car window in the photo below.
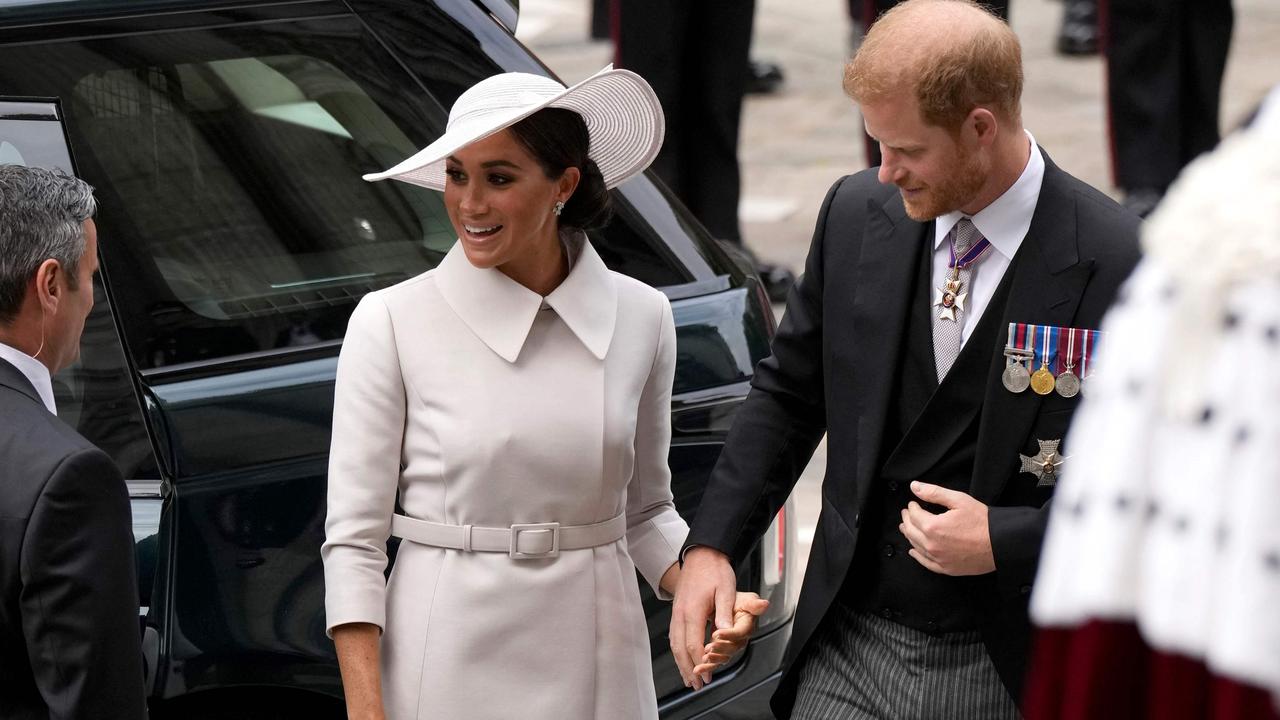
(229, 161)
(244, 196)
(95, 394)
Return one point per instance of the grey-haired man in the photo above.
(69, 639)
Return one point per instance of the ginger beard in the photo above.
(950, 192)
(936, 169)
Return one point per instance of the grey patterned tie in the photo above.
(946, 333)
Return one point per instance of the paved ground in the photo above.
(797, 142)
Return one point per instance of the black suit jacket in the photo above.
(70, 644)
(831, 370)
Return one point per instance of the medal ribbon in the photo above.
(979, 249)
(1068, 361)
(1049, 345)
(1090, 340)
(1017, 337)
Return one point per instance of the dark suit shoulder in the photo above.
(859, 188)
(848, 202)
(1106, 231)
(34, 444)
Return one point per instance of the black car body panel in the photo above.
(237, 237)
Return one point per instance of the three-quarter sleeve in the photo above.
(655, 531)
(364, 467)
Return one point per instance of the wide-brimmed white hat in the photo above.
(623, 116)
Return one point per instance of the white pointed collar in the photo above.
(501, 311)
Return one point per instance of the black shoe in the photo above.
(763, 78)
(1079, 32)
(777, 280)
(1142, 201)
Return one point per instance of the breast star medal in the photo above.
(1042, 379)
(1045, 465)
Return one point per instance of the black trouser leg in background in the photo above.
(694, 54)
(1165, 62)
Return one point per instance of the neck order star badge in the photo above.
(1045, 465)
(950, 299)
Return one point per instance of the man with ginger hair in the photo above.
(914, 604)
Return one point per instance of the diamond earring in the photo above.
(558, 208)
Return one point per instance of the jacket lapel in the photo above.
(1048, 281)
(891, 246)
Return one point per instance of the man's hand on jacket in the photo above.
(954, 542)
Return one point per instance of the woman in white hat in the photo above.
(515, 401)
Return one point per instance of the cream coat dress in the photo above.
(473, 401)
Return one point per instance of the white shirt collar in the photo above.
(35, 372)
(1006, 220)
(501, 311)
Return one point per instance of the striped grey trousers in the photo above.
(864, 667)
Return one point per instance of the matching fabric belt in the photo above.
(529, 541)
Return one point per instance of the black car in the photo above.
(226, 139)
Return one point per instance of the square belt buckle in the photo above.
(552, 527)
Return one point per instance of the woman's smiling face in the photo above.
(501, 202)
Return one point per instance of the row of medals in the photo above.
(1017, 377)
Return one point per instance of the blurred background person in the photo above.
(1160, 577)
(1165, 64)
(694, 54)
(1078, 34)
(763, 76)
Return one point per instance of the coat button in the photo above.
(887, 614)
(1025, 589)
(893, 486)
(888, 551)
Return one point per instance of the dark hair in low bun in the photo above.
(558, 139)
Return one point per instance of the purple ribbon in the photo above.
(979, 249)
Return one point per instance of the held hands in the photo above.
(706, 590)
(955, 542)
(725, 643)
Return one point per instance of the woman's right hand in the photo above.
(358, 646)
(727, 642)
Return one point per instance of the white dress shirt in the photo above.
(1004, 222)
(35, 371)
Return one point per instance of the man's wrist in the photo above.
(684, 553)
